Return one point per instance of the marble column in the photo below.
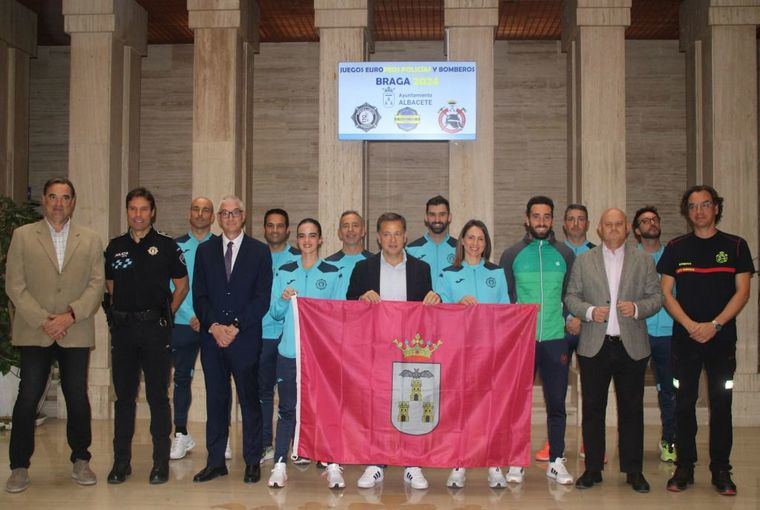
(108, 38)
(719, 40)
(226, 36)
(593, 36)
(343, 37)
(226, 39)
(18, 43)
(470, 37)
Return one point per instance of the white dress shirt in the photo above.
(613, 267)
(235, 247)
(59, 241)
(392, 280)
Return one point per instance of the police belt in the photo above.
(150, 315)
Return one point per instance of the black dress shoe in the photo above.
(682, 478)
(723, 483)
(209, 473)
(159, 474)
(119, 472)
(588, 479)
(637, 482)
(252, 473)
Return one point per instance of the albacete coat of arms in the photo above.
(416, 398)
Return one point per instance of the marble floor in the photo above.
(52, 487)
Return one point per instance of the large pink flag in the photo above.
(407, 384)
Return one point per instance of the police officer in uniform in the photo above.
(139, 266)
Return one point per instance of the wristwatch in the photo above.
(717, 325)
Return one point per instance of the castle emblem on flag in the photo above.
(415, 402)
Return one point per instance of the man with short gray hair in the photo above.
(231, 287)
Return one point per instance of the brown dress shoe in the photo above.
(82, 474)
(18, 481)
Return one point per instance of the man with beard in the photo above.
(436, 247)
(351, 232)
(537, 269)
(575, 228)
(646, 228)
(276, 233)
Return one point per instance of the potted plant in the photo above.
(12, 215)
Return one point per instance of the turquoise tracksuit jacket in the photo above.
(322, 280)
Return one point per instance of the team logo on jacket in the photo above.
(366, 117)
(721, 257)
(416, 398)
(491, 282)
(321, 284)
(450, 258)
(153, 250)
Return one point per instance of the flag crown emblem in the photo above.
(417, 349)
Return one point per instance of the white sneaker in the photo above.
(334, 474)
(228, 450)
(515, 474)
(558, 471)
(181, 444)
(456, 478)
(372, 476)
(279, 475)
(267, 454)
(496, 478)
(414, 477)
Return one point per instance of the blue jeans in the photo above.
(287, 391)
(267, 382)
(35, 369)
(186, 344)
(666, 394)
(552, 363)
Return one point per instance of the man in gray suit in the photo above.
(613, 288)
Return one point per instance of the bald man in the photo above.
(613, 288)
(186, 337)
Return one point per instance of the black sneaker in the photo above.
(723, 483)
(682, 478)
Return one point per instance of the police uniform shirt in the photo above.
(141, 271)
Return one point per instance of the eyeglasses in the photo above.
(654, 220)
(704, 205)
(235, 213)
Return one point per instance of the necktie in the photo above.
(228, 260)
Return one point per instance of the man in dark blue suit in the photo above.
(231, 287)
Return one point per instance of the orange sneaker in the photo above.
(583, 454)
(542, 455)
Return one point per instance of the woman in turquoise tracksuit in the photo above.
(308, 276)
(470, 280)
